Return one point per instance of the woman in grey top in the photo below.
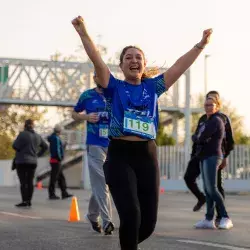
(28, 146)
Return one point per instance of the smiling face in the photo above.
(132, 63)
(210, 106)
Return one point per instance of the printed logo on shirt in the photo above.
(201, 129)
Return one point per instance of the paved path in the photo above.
(45, 225)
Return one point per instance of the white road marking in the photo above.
(203, 243)
(21, 215)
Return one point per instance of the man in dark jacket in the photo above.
(193, 168)
(28, 146)
(56, 157)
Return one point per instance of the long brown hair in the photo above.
(147, 73)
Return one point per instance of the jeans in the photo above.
(209, 171)
(192, 173)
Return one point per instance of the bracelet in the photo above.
(198, 46)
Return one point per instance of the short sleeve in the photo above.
(80, 106)
(160, 85)
(113, 82)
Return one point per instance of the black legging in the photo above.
(192, 173)
(132, 174)
(26, 174)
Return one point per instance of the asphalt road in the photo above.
(45, 226)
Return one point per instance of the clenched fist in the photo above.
(206, 37)
(79, 25)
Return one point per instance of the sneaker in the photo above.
(94, 225)
(225, 223)
(199, 205)
(109, 228)
(205, 224)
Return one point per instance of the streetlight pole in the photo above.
(205, 73)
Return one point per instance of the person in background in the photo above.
(193, 169)
(93, 103)
(209, 139)
(56, 157)
(28, 146)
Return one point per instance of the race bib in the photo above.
(103, 131)
(103, 124)
(139, 125)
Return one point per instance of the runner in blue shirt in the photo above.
(93, 103)
(131, 169)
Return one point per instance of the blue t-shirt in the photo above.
(134, 107)
(92, 101)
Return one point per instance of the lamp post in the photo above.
(205, 73)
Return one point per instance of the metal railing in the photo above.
(172, 158)
(172, 163)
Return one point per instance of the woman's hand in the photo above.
(79, 26)
(205, 38)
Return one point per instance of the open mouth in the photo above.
(134, 68)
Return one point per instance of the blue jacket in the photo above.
(56, 147)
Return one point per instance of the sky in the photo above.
(164, 29)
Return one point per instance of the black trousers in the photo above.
(26, 174)
(193, 172)
(56, 175)
(132, 174)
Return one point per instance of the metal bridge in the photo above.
(60, 83)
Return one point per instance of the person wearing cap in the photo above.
(28, 146)
(92, 107)
(56, 157)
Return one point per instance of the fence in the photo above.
(172, 168)
(173, 163)
(172, 159)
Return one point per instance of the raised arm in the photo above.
(184, 62)
(101, 68)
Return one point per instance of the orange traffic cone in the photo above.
(74, 211)
(39, 185)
